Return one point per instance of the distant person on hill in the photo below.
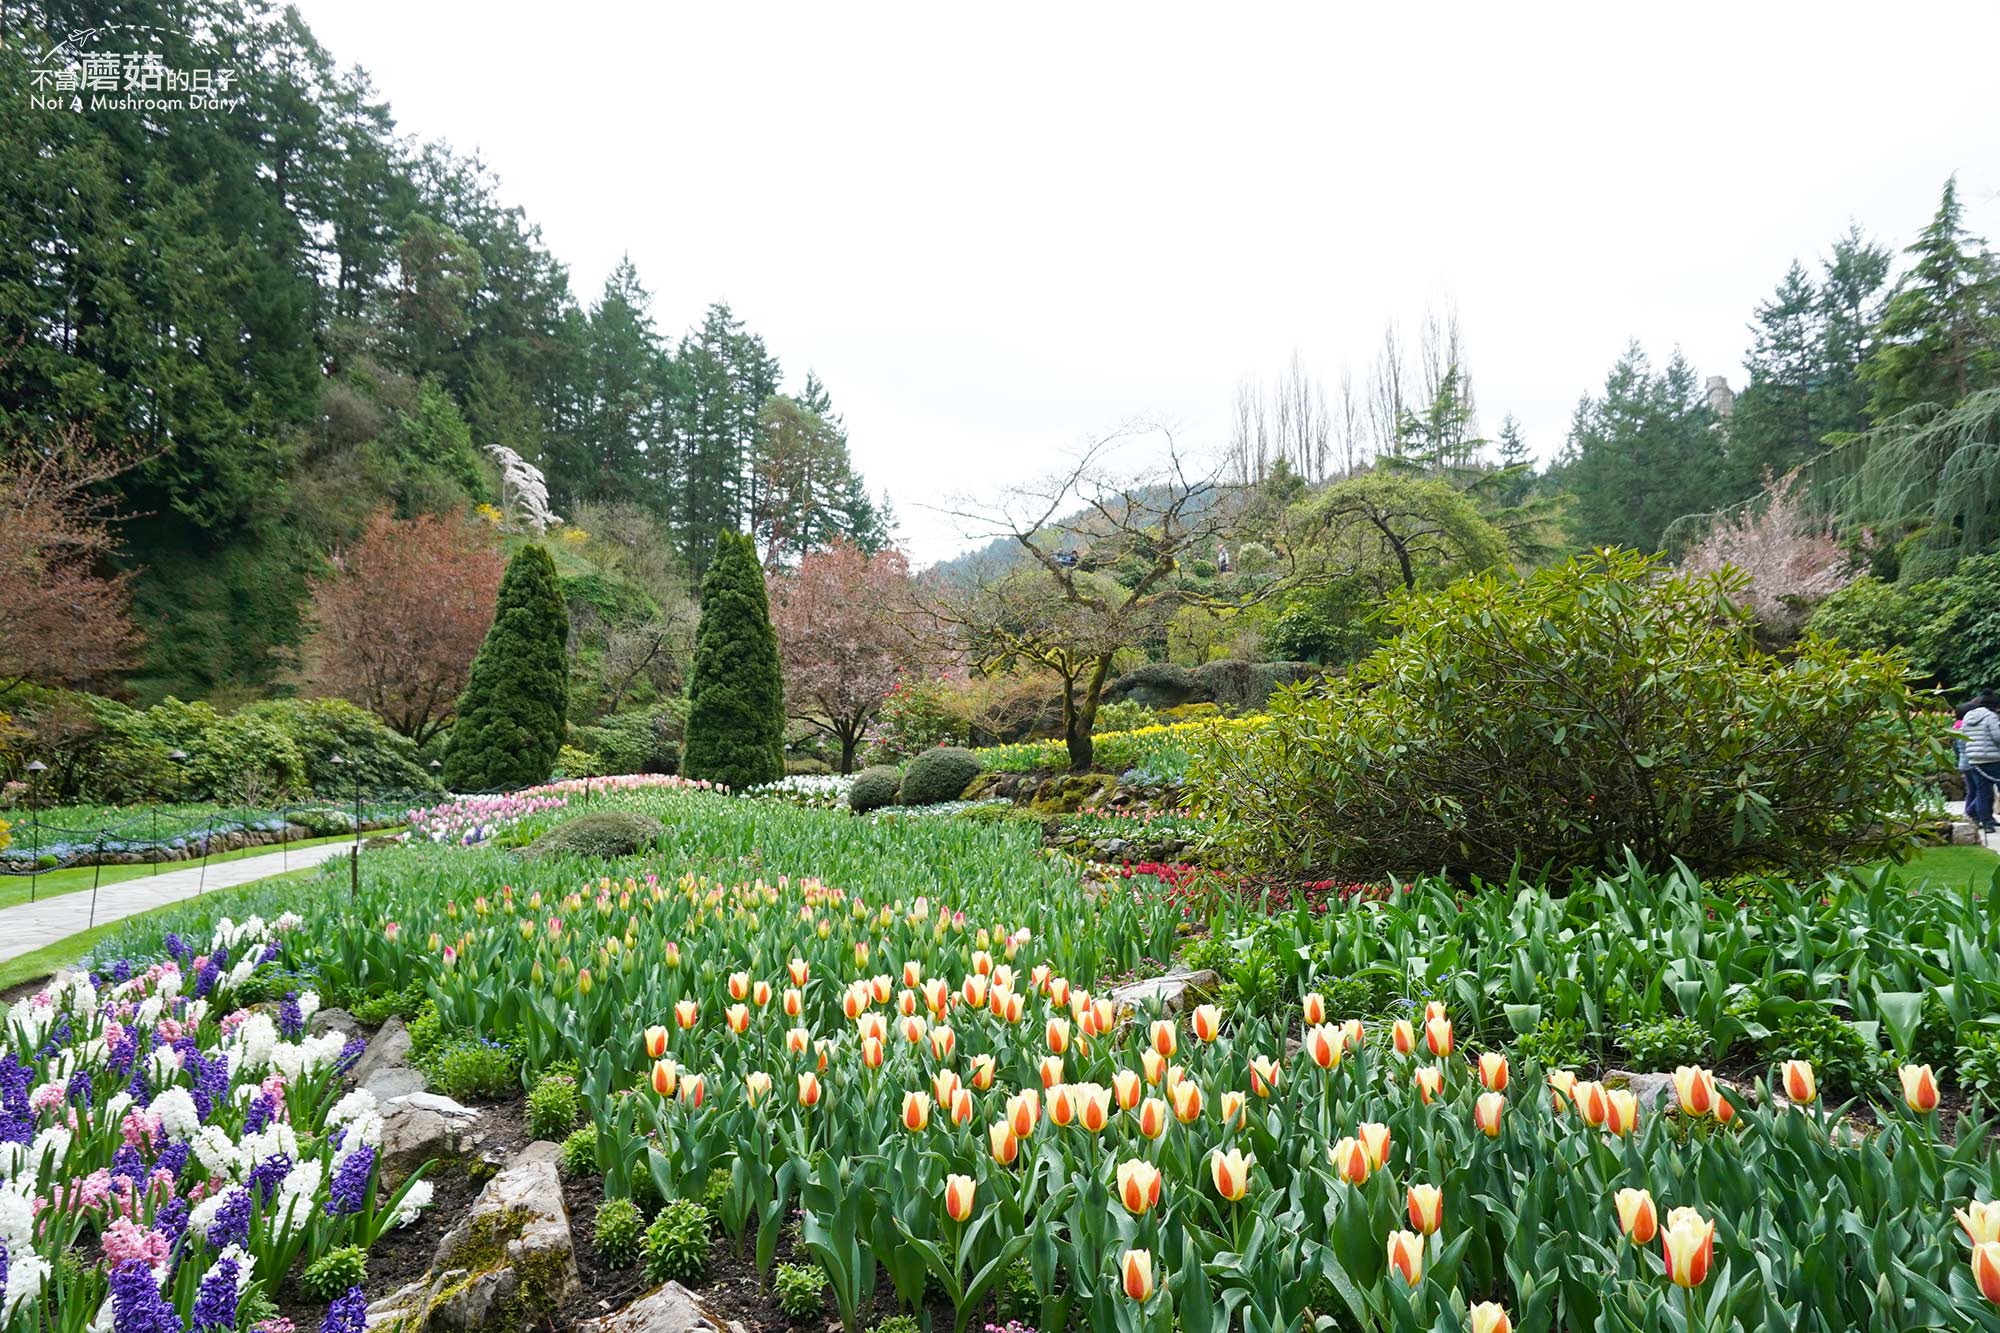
(1980, 731)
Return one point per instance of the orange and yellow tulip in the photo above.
(1056, 1034)
(1437, 1036)
(1231, 1172)
(1152, 1117)
(1024, 1108)
(1402, 1037)
(1350, 1161)
(1688, 1241)
(1986, 1269)
(1138, 1186)
(1486, 1113)
(694, 1090)
(1374, 1137)
(958, 1195)
(686, 1013)
(982, 1071)
(1800, 1085)
(1489, 1317)
(1187, 1102)
(798, 971)
(1323, 1045)
(1092, 1104)
(1591, 1102)
(1051, 1069)
(1406, 1256)
(1136, 1272)
(656, 1042)
(1493, 1071)
(1638, 1217)
(1426, 1208)
(1429, 1080)
(1621, 1115)
(663, 1077)
(1263, 1075)
(738, 1018)
(1695, 1090)
(1126, 1088)
(1561, 1083)
(1004, 1143)
(1206, 1022)
(1920, 1088)
(809, 1089)
(1313, 1006)
(1062, 1111)
(1164, 1038)
(755, 1084)
(916, 1111)
(1980, 1220)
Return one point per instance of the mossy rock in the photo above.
(600, 833)
(985, 785)
(1070, 792)
(874, 788)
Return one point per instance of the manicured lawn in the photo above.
(14, 888)
(1950, 867)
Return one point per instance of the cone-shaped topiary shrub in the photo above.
(510, 718)
(736, 694)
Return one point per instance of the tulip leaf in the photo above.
(1901, 1012)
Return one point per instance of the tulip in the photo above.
(738, 1016)
(1433, 1009)
(755, 1085)
(1353, 1035)
(739, 985)
(760, 994)
(872, 1025)
(1092, 1104)
(1638, 1217)
(913, 1029)
(1986, 1269)
(1207, 1022)
(1062, 1111)
(795, 1002)
(1056, 1033)
(1429, 1080)
(1561, 1082)
(1023, 1110)
(1437, 1036)
(1493, 1071)
(1125, 1088)
(961, 1106)
(1187, 1103)
(916, 1111)
(872, 1052)
(1103, 1018)
(1058, 992)
(1402, 1036)
(694, 1090)
(1313, 1005)
(944, 1083)
(663, 1077)
(854, 1002)
(1621, 1111)
(798, 971)
(1590, 1099)
(1231, 1172)
(797, 1040)
(1164, 1038)
(1263, 1075)
(1980, 1220)
(1486, 1113)
(1136, 1270)
(1350, 1161)
(1152, 1117)
(982, 1072)
(1724, 1112)
(1323, 1045)
(943, 1042)
(1051, 1069)
(656, 1042)
(808, 1089)
(1406, 1256)
(958, 1195)
(1012, 1009)
(974, 991)
(685, 1013)
(1920, 1088)
(936, 995)
(1004, 1142)
(1138, 1186)
(1152, 1065)
(982, 963)
(1489, 1317)
(1694, 1088)
(1689, 1244)
(1375, 1138)
(1426, 1208)
(1232, 1108)
(1800, 1085)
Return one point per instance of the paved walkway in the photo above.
(30, 926)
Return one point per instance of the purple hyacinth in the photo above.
(174, 1159)
(3, 1267)
(80, 1091)
(258, 1117)
(350, 1054)
(267, 1174)
(127, 1163)
(232, 1222)
(349, 1190)
(211, 972)
(179, 949)
(125, 1052)
(172, 1220)
(136, 1303)
(215, 1299)
(121, 971)
(349, 1314)
(211, 1086)
(291, 1021)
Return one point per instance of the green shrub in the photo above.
(873, 788)
(1978, 1069)
(800, 1289)
(904, 1323)
(553, 1106)
(715, 1192)
(1561, 720)
(1667, 1042)
(579, 1152)
(600, 833)
(676, 1244)
(1840, 1056)
(1553, 1043)
(641, 742)
(619, 1235)
(939, 774)
(370, 753)
(916, 716)
(425, 1028)
(1210, 952)
(333, 1273)
(1124, 715)
(510, 718)
(736, 693)
(472, 1067)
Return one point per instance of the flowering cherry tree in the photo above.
(840, 640)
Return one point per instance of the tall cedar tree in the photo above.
(511, 716)
(736, 714)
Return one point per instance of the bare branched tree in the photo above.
(1101, 571)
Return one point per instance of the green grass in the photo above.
(44, 961)
(1949, 867)
(51, 883)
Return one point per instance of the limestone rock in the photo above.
(395, 1081)
(402, 1304)
(423, 1127)
(1171, 991)
(333, 1020)
(510, 1256)
(668, 1309)
(387, 1049)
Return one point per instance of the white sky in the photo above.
(994, 230)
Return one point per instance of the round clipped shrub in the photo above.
(579, 1152)
(873, 788)
(601, 833)
(553, 1107)
(939, 774)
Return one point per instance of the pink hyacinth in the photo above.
(140, 1129)
(47, 1096)
(125, 1240)
(169, 1030)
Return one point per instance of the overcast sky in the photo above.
(993, 230)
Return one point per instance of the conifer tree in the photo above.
(1939, 338)
(736, 692)
(511, 716)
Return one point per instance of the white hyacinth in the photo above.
(177, 1113)
(413, 1204)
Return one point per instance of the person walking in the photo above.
(1980, 732)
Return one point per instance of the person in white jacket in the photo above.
(1981, 733)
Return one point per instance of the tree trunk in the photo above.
(848, 744)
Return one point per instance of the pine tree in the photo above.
(736, 691)
(511, 716)
(722, 376)
(1939, 338)
(1642, 455)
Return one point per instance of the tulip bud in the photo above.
(1986, 1269)
(1402, 1036)
(1350, 1160)
(1313, 1007)
(1263, 1075)
(1426, 1208)
(1136, 1271)
(1152, 1117)
(1493, 1071)
(1486, 1113)
(1695, 1090)
(1489, 1317)
(1800, 1085)
(916, 1111)
(656, 1042)
(1406, 1256)
(1689, 1245)
(1138, 1186)
(1164, 1038)
(1207, 1022)
(798, 971)
(1429, 1081)
(1375, 1138)
(1920, 1088)
(1638, 1218)
(1437, 1036)
(1125, 1088)
(809, 1089)
(685, 1013)
(1323, 1045)
(958, 1196)
(1231, 1173)
(1980, 1220)
(1621, 1111)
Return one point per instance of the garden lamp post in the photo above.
(180, 759)
(35, 770)
(354, 857)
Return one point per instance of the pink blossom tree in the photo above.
(841, 641)
(1791, 558)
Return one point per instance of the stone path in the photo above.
(30, 926)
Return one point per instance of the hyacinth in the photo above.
(291, 1021)
(215, 1299)
(348, 1314)
(268, 1174)
(349, 1191)
(136, 1303)
(232, 1221)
